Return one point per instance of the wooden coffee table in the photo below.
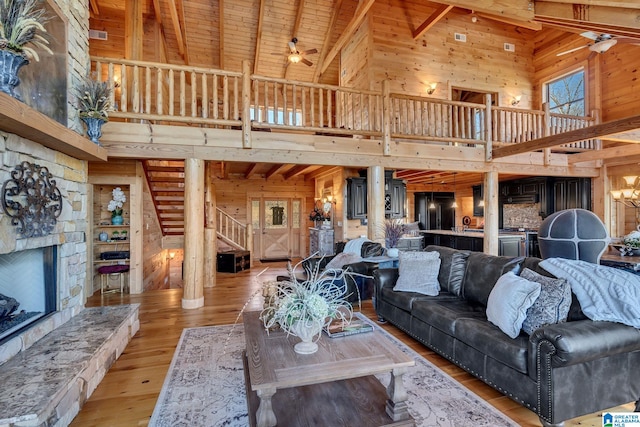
(334, 386)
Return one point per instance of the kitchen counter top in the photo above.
(473, 233)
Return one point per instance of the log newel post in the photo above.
(386, 118)
(246, 104)
(546, 132)
(491, 208)
(210, 231)
(488, 149)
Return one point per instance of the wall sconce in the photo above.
(516, 100)
(630, 195)
(431, 88)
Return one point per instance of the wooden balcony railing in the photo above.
(165, 93)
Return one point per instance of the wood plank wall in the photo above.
(411, 65)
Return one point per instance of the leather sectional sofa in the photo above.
(560, 371)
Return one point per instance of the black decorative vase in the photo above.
(94, 128)
(10, 64)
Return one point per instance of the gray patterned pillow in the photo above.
(418, 272)
(552, 306)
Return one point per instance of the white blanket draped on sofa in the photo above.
(604, 293)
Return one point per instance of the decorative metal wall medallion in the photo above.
(32, 200)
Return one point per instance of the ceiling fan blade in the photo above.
(590, 35)
(305, 61)
(572, 50)
(312, 51)
(292, 47)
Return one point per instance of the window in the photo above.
(294, 119)
(565, 95)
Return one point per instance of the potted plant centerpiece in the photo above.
(94, 97)
(115, 206)
(393, 231)
(303, 307)
(21, 33)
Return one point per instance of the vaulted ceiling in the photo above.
(223, 33)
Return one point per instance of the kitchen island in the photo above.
(509, 243)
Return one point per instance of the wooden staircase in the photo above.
(166, 184)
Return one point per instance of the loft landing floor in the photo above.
(128, 393)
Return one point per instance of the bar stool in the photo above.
(107, 270)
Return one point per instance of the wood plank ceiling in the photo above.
(223, 33)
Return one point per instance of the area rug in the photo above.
(205, 387)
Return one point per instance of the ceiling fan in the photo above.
(601, 42)
(295, 56)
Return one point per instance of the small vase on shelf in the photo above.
(103, 236)
(116, 217)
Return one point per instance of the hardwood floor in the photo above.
(128, 392)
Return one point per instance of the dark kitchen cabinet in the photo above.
(511, 246)
(441, 217)
(356, 198)
(571, 193)
(395, 198)
(477, 198)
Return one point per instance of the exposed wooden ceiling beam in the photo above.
(622, 151)
(531, 25)
(322, 171)
(352, 26)
(177, 29)
(632, 4)
(591, 132)
(93, 7)
(187, 57)
(616, 16)
(253, 168)
(297, 170)
(579, 27)
(432, 20)
(133, 31)
(275, 170)
(160, 28)
(516, 9)
(256, 56)
(335, 11)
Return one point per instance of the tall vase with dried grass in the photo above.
(94, 99)
(22, 34)
(393, 230)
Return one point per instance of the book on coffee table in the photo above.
(341, 329)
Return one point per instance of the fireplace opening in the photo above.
(28, 289)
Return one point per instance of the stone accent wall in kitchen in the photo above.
(526, 215)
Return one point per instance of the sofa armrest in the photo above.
(384, 278)
(580, 341)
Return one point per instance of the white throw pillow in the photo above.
(509, 301)
(418, 272)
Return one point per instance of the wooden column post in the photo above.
(210, 236)
(193, 295)
(375, 203)
(386, 118)
(246, 104)
(546, 132)
(491, 213)
(488, 121)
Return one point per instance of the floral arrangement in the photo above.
(94, 98)
(393, 230)
(22, 24)
(316, 301)
(115, 204)
(318, 214)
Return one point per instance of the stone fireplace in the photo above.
(55, 265)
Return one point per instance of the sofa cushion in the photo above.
(482, 273)
(489, 340)
(444, 313)
(403, 300)
(418, 273)
(552, 306)
(509, 301)
(452, 267)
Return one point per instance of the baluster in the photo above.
(194, 95)
(225, 97)
(171, 92)
(183, 94)
(147, 91)
(205, 96)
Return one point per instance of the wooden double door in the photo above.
(277, 223)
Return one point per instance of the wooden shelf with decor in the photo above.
(103, 179)
(111, 244)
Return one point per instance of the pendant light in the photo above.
(454, 205)
(432, 205)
